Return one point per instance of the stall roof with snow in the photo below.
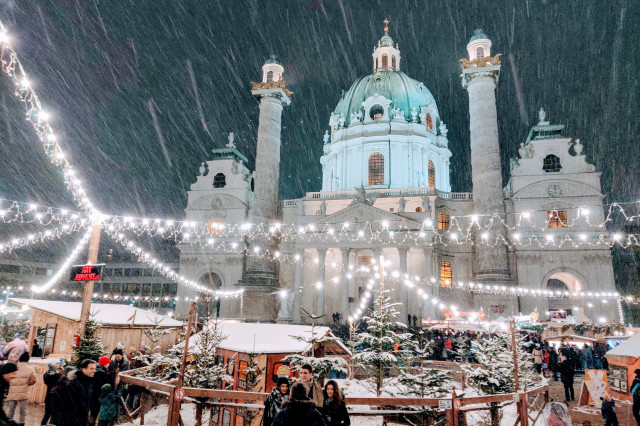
(628, 348)
(271, 338)
(572, 338)
(104, 313)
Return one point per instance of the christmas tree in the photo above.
(384, 340)
(90, 346)
(323, 366)
(155, 333)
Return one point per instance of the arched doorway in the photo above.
(213, 281)
(563, 284)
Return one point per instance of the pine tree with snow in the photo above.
(90, 345)
(205, 369)
(323, 366)
(155, 332)
(253, 377)
(382, 333)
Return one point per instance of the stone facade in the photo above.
(410, 191)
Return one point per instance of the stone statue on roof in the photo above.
(360, 197)
(230, 138)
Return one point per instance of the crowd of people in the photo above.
(87, 394)
(306, 403)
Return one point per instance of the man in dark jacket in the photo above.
(50, 378)
(299, 410)
(85, 393)
(118, 363)
(566, 376)
(635, 394)
(273, 404)
(8, 372)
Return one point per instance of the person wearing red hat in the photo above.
(103, 374)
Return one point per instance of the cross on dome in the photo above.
(386, 22)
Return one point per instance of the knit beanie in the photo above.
(106, 388)
(104, 360)
(282, 381)
(118, 352)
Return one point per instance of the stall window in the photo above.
(242, 375)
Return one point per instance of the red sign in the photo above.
(179, 395)
(86, 273)
(457, 404)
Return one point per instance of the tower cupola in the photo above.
(479, 47)
(272, 70)
(386, 56)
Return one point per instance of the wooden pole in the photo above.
(514, 349)
(173, 417)
(87, 291)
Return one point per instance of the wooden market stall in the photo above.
(57, 322)
(623, 360)
(571, 339)
(272, 343)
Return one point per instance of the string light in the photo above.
(42, 236)
(65, 265)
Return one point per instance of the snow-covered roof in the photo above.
(630, 347)
(106, 314)
(571, 337)
(267, 338)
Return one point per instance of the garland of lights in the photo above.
(65, 265)
(42, 236)
(17, 212)
(39, 118)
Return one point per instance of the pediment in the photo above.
(557, 188)
(363, 213)
(216, 202)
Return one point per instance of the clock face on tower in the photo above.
(554, 191)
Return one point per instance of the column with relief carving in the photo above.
(344, 296)
(404, 296)
(297, 284)
(320, 285)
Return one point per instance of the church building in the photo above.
(505, 248)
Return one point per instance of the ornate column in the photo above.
(297, 286)
(322, 256)
(479, 76)
(404, 294)
(344, 294)
(260, 281)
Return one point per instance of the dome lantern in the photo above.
(479, 47)
(386, 56)
(272, 70)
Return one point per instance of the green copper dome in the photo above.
(273, 59)
(478, 34)
(404, 92)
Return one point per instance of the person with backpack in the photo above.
(18, 395)
(635, 393)
(608, 411)
(108, 405)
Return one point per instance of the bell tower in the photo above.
(480, 73)
(260, 280)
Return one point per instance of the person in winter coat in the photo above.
(62, 400)
(19, 392)
(537, 358)
(108, 405)
(553, 362)
(314, 390)
(15, 349)
(608, 412)
(8, 372)
(273, 404)
(118, 363)
(299, 410)
(50, 378)
(334, 410)
(566, 376)
(103, 374)
(85, 394)
(635, 393)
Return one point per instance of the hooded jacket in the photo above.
(4, 386)
(26, 378)
(298, 413)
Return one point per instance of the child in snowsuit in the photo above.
(608, 411)
(108, 406)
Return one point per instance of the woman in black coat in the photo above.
(334, 409)
(8, 372)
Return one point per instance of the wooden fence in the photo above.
(529, 403)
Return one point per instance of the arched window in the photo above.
(446, 274)
(219, 180)
(418, 209)
(269, 76)
(480, 52)
(376, 112)
(551, 164)
(429, 122)
(376, 169)
(432, 174)
(385, 61)
(393, 62)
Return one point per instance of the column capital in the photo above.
(469, 75)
